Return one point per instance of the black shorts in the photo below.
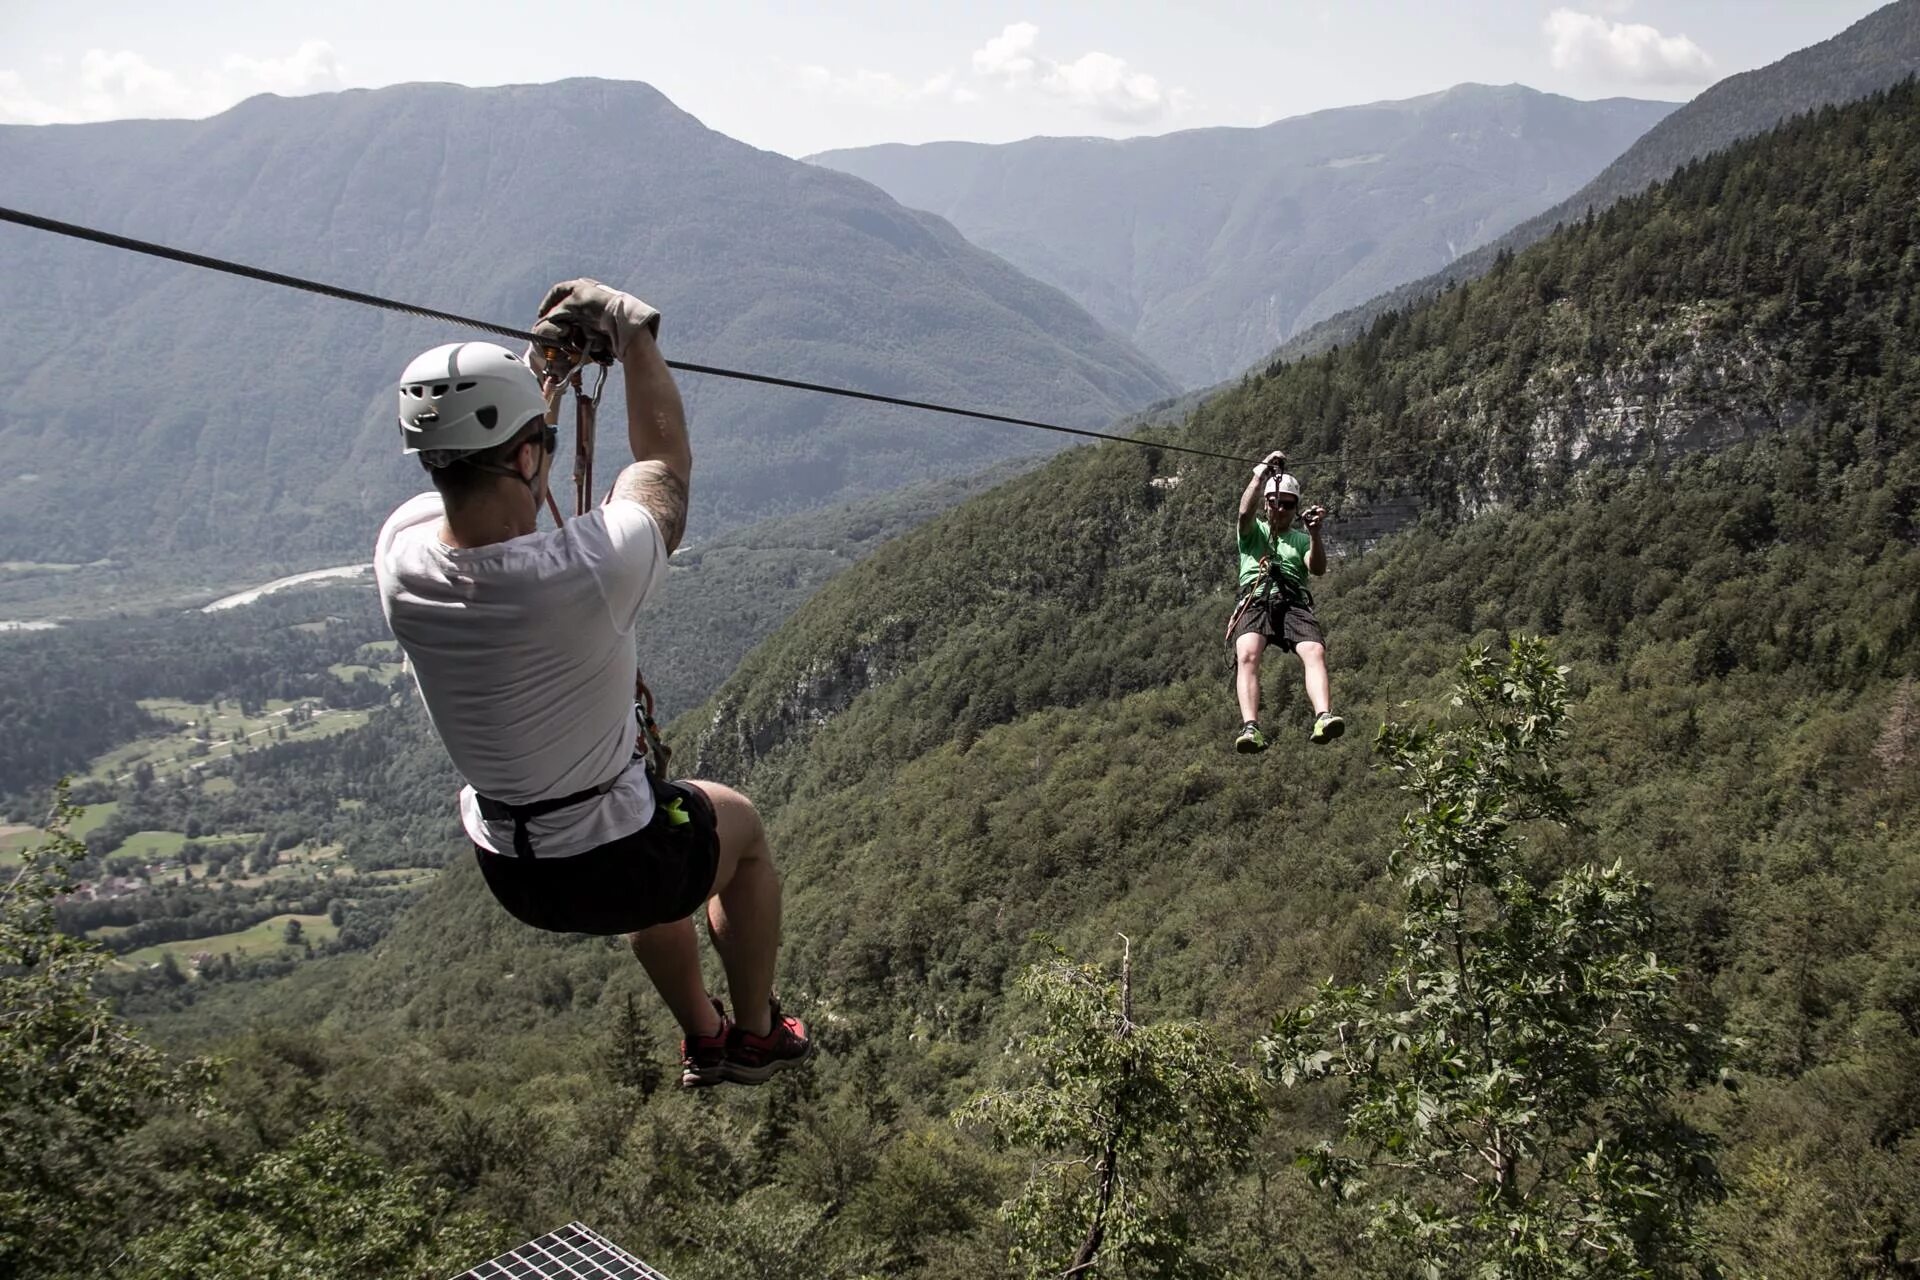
(1283, 624)
(661, 872)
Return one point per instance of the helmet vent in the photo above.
(416, 391)
(489, 416)
(463, 386)
(440, 389)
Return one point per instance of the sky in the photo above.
(798, 77)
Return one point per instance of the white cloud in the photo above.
(116, 84)
(1095, 82)
(1585, 42)
(881, 88)
(19, 105)
(1105, 85)
(1009, 54)
(312, 68)
(1098, 82)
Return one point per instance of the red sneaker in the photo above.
(703, 1059)
(752, 1059)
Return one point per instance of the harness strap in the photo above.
(500, 811)
(1261, 592)
(653, 744)
(563, 375)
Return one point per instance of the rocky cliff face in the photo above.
(730, 744)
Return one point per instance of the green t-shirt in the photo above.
(1287, 548)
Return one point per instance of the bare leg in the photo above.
(1246, 652)
(670, 953)
(1313, 666)
(744, 912)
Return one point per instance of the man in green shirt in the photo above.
(1275, 605)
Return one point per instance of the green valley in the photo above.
(1680, 439)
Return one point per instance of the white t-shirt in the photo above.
(524, 655)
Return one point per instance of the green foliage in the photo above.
(318, 1209)
(726, 595)
(1511, 1079)
(1136, 1126)
(74, 1079)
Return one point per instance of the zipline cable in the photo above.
(373, 300)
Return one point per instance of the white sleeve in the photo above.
(621, 544)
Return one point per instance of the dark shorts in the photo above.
(1284, 625)
(661, 872)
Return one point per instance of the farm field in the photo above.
(378, 658)
(150, 844)
(265, 938)
(16, 837)
(206, 732)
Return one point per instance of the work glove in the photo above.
(585, 315)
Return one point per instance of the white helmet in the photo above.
(1285, 482)
(464, 397)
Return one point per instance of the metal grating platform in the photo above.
(574, 1252)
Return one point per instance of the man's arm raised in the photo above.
(657, 432)
(586, 315)
(1250, 496)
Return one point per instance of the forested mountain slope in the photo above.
(724, 595)
(1681, 439)
(1209, 246)
(164, 411)
(1875, 52)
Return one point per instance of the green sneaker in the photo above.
(1327, 726)
(1251, 741)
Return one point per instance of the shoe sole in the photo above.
(734, 1073)
(1249, 748)
(697, 1078)
(1331, 732)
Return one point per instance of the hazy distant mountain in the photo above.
(1875, 52)
(153, 409)
(1211, 246)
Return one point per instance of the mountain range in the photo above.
(159, 411)
(1875, 52)
(1209, 247)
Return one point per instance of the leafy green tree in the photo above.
(73, 1078)
(1139, 1125)
(1510, 1106)
(319, 1209)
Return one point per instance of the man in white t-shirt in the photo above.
(522, 644)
